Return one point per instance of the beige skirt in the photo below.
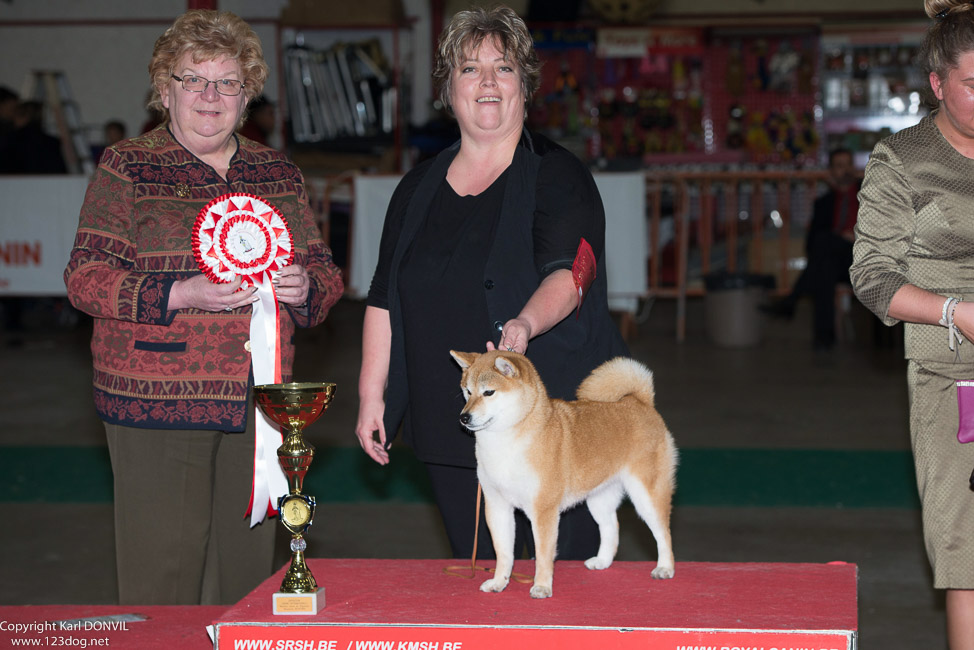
(943, 471)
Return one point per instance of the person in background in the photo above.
(913, 261)
(29, 149)
(477, 251)
(10, 306)
(260, 121)
(828, 250)
(172, 350)
(26, 149)
(112, 132)
(8, 108)
(154, 116)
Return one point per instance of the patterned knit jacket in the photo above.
(185, 369)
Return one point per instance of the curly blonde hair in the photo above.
(950, 35)
(469, 29)
(208, 35)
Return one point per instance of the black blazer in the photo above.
(564, 355)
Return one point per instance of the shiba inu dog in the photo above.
(545, 455)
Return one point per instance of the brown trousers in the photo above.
(181, 537)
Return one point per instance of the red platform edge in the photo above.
(415, 605)
(157, 627)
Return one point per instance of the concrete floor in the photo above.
(778, 395)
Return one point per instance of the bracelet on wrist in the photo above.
(943, 311)
(954, 337)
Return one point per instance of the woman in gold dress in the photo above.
(913, 261)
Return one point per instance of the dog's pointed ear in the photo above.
(505, 367)
(464, 359)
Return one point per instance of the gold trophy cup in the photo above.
(294, 406)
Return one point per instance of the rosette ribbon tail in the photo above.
(270, 483)
(241, 235)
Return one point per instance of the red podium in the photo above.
(414, 605)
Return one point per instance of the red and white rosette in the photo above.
(241, 235)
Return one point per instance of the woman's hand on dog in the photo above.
(514, 337)
(554, 299)
(369, 423)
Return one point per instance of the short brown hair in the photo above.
(208, 35)
(469, 29)
(950, 36)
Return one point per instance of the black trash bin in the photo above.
(731, 307)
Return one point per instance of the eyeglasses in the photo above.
(194, 84)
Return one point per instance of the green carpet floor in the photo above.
(706, 477)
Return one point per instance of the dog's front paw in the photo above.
(662, 573)
(494, 584)
(541, 591)
(597, 563)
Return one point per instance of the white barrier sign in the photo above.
(38, 221)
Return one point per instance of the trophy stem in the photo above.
(298, 578)
(295, 456)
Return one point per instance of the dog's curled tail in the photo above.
(617, 378)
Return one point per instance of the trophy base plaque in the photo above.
(299, 604)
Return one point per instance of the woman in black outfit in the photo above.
(477, 250)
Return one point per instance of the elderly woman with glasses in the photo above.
(498, 241)
(171, 344)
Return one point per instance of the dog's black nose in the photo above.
(464, 419)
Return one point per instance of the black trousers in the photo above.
(455, 491)
(829, 259)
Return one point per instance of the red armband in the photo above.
(583, 271)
